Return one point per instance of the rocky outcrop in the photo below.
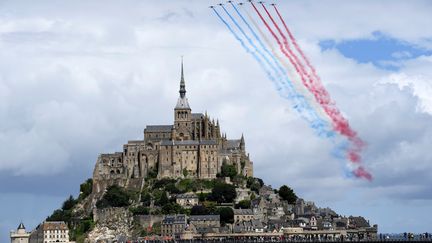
(112, 225)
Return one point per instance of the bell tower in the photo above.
(182, 113)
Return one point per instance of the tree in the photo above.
(114, 197)
(69, 203)
(86, 188)
(199, 210)
(254, 184)
(286, 193)
(228, 170)
(171, 208)
(223, 193)
(243, 204)
(226, 215)
(163, 199)
(60, 215)
(146, 198)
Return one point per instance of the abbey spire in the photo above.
(182, 102)
(182, 82)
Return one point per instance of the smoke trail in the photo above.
(297, 83)
(317, 122)
(342, 124)
(285, 41)
(300, 104)
(321, 95)
(293, 40)
(269, 75)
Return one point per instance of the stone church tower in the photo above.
(182, 113)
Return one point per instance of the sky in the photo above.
(80, 78)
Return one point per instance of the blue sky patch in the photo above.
(381, 50)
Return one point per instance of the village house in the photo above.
(187, 200)
(241, 215)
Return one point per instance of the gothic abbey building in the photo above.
(192, 147)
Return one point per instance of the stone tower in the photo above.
(20, 235)
(182, 113)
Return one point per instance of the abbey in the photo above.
(192, 147)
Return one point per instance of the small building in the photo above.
(241, 215)
(173, 225)
(50, 231)
(205, 223)
(20, 235)
(187, 200)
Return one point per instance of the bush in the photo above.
(114, 197)
(286, 193)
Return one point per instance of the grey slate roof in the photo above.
(182, 103)
(21, 226)
(233, 143)
(186, 196)
(204, 217)
(196, 116)
(158, 128)
(174, 219)
(243, 211)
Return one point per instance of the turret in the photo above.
(242, 143)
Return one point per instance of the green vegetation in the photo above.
(254, 184)
(243, 204)
(226, 215)
(114, 197)
(86, 189)
(146, 198)
(228, 170)
(69, 203)
(286, 193)
(79, 229)
(223, 193)
(140, 210)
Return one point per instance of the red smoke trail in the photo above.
(322, 96)
(285, 40)
(360, 172)
(288, 55)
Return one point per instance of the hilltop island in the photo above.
(187, 181)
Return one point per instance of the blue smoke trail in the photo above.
(318, 124)
(269, 75)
